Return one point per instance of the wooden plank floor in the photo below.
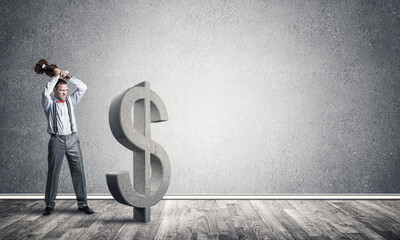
(205, 219)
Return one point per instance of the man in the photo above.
(63, 141)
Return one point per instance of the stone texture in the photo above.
(130, 117)
(262, 96)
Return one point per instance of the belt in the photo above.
(56, 135)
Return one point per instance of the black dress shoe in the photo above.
(86, 210)
(47, 210)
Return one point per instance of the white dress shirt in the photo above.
(63, 121)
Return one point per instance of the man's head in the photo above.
(61, 89)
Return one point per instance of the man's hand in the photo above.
(56, 72)
(64, 73)
(60, 74)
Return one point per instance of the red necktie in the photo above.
(59, 101)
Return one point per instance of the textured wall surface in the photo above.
(262, 96)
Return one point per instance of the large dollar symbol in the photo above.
(130, 116)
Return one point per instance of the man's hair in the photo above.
(60, 81)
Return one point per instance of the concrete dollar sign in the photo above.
(130, 116)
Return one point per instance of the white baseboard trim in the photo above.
(222, 197)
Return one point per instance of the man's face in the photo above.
(61, 92)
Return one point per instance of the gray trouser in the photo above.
(58, 147)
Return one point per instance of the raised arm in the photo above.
(46, 98)
(79, 92)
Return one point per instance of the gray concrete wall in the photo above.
(263, 96)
